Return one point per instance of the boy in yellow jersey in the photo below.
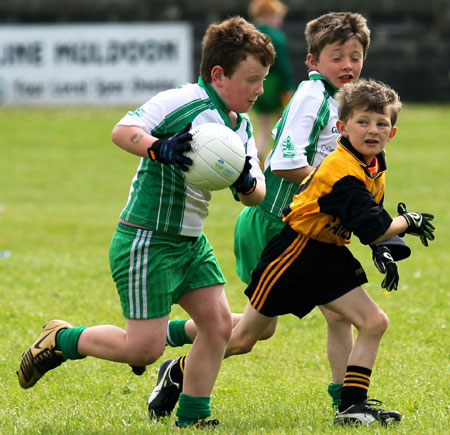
(344, 195)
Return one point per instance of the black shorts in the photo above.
(296, 273)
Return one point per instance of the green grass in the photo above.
(62, 186)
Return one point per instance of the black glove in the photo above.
(170, 151)
(384, 262)
(246, 183)
(419, 224)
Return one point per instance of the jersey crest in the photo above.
(288, 148)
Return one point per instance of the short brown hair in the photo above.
(264, 8)
(370, 95)
(230, 42)
(336, 27)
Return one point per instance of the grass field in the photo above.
(62, 185)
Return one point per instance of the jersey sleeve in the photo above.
(152, 114)
(252, 151)
(296, 130)
(351, 202)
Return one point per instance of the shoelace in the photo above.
(47, 360)
(373, 402)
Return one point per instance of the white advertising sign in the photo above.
(101, 64)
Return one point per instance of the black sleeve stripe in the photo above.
(356, 208)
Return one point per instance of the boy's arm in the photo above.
(294, 175)
(417, 224)
(292, 135)
(398, 226)
(250, 189)
(356, 208)
(255, 197)
(168, 151)
(132, 132)
(132, 139)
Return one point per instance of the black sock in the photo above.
(356, 385)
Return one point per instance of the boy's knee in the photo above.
(383, 321)
(269, 331)
(377, 323)
(144, 356)
(241, 344)
(219, 328)
(225, 326)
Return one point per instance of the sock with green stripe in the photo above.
(67, 342)
(191, 409)
(356, 385)
(334, 390)
(176, 333)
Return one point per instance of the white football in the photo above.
(218, 157)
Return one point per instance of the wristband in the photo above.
(151, 150)
(251, 190)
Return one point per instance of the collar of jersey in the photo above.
(314, 75)
(219, 103)
(344, 142)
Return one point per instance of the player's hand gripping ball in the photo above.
(218, 157)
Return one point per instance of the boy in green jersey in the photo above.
(159, 254)
(304, 136)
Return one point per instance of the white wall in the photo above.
(96, 64)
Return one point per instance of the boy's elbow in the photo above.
(115, 135)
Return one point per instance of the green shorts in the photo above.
(254, 228)
(153, 270)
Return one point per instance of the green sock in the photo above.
(67, 342)
(334, 390)
(191, 409)
(176, 334)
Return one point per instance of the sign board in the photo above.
(101, 64)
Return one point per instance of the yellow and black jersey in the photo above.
(342, 196)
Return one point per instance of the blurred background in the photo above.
(410, 47)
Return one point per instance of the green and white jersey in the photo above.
(305, 135)
(160, 198)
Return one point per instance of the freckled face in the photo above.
(245, 85)
(339, 63)
(368, 132)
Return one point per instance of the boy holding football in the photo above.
(306, 133)
(159, 255)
